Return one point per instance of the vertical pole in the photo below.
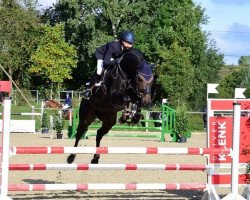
(32, 110)
(236, 151)
(5, 149)
(70, 117)
(37, 97)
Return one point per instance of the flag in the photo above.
(5, 86)
(211, 88)
(238, 94)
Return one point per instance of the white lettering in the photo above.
(222, 157)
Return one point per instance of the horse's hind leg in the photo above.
(108, 121)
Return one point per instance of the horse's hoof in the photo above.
(71, 158)
(94, 161)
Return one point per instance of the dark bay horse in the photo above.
(109, 98)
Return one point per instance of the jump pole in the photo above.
(108, 186)
(235, 160)
(129, 167)
(5, 150)
(118, 150)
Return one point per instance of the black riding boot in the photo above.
(88, 92)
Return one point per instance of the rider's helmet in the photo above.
(127, 36)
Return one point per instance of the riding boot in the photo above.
(93, 82)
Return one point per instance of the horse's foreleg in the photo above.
(81, 129)
(100, 133)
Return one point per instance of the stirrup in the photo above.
(89, 94)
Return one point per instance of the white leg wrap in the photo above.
(99, 66)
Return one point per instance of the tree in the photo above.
(19, 34)
(54, 58)
(244, 60)
(239, 78)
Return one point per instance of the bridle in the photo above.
(147, 88)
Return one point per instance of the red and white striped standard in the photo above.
(195, 167)
(108, 186)
(117, 150)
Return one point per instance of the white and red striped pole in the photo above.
(108, 186)
(118, 150)
(85, 167)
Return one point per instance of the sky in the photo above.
(228, 25)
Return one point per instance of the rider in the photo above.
(68, 102)
(109, 55)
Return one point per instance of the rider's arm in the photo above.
(108, 55)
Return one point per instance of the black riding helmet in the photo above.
(127, 36)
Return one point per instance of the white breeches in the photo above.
(66, 106)
(99, 66)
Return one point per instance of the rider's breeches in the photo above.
(99, 66)
(66, 106)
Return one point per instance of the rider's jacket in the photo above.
(109, 52)
(68, 101)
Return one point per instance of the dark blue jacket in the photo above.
(110, 50)
(68, 101)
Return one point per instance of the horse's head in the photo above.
(145, 81)
(130, 62)
(134, 65)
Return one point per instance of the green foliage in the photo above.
(238, 78)
(54, 58)
(18, 98)
(19, 34)
(197, 122)
(182, 127)
(176, 74)
(45, 120)
(58, 122)
(244, 61)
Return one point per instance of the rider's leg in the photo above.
(94, 79)
(99, 72)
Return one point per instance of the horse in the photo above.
(109, 98)
(52, 103)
